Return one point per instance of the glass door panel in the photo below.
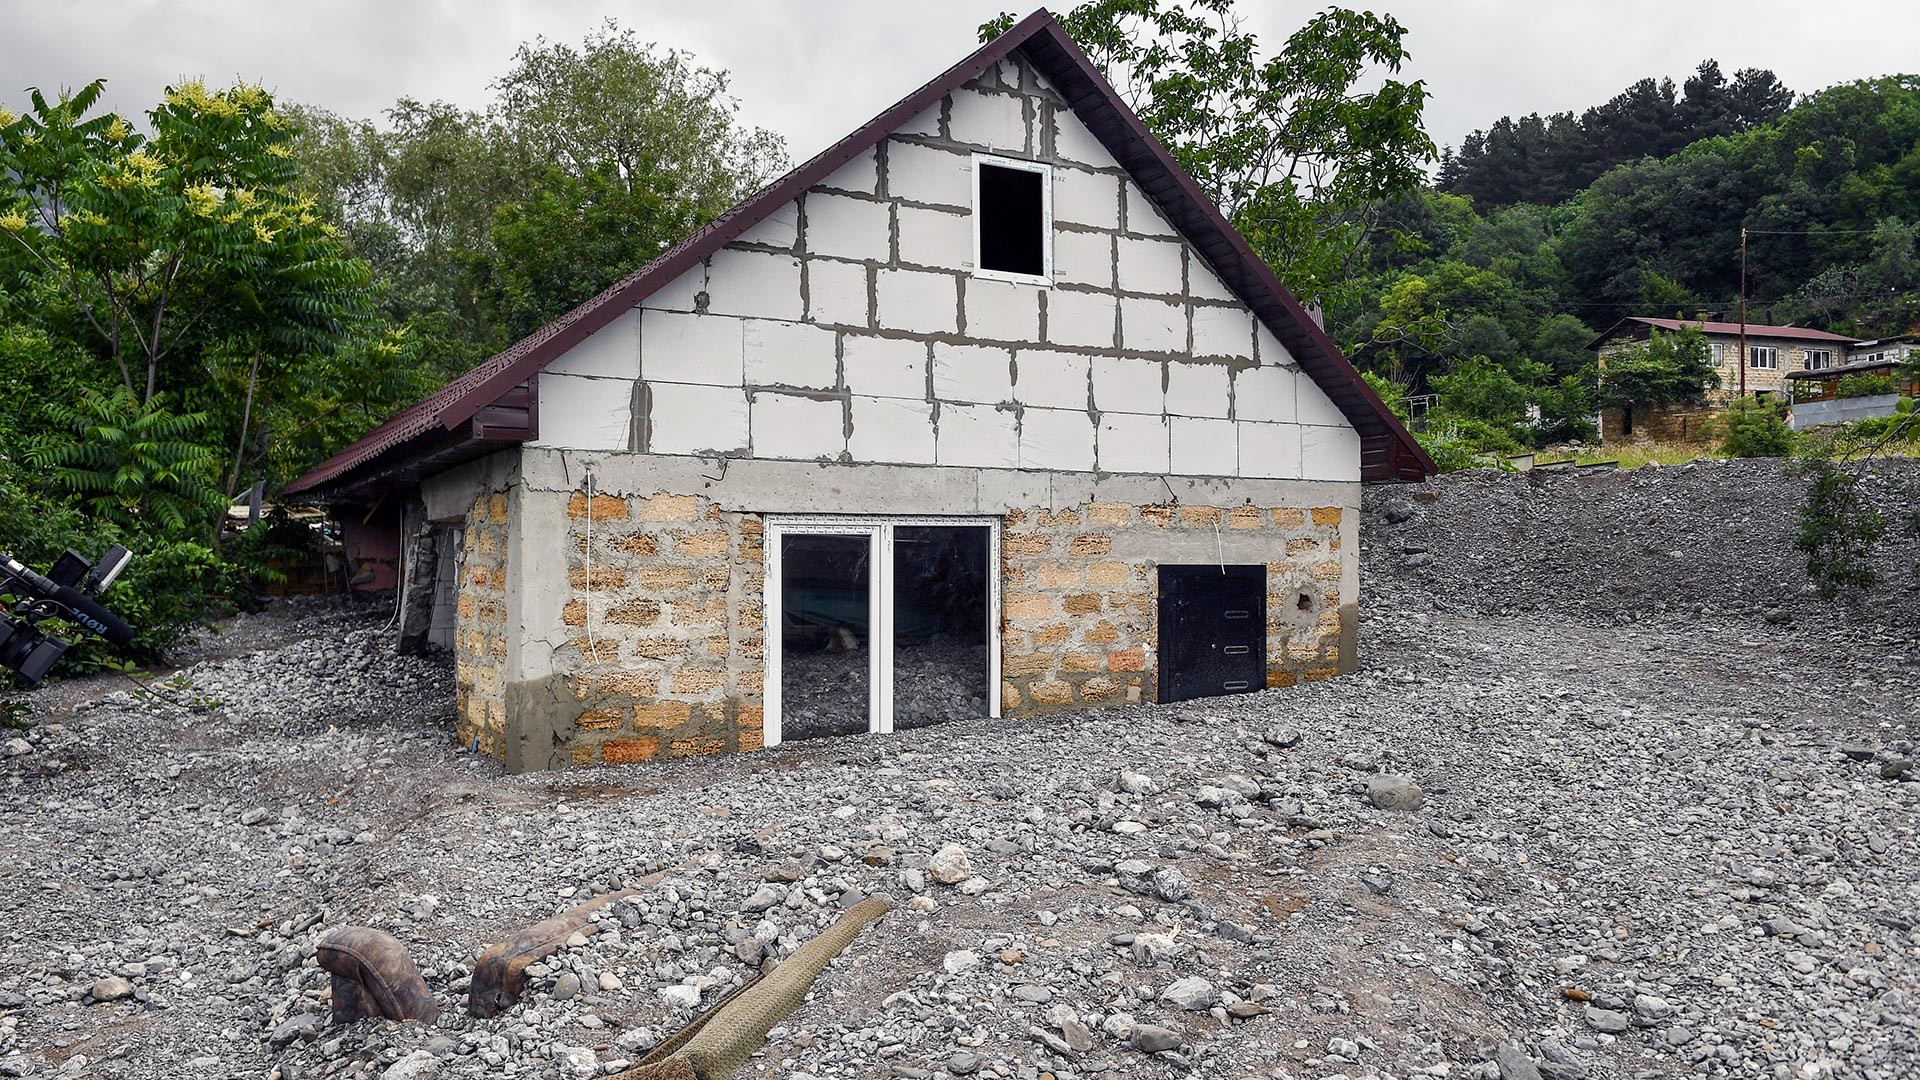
(940, 620)
(826, 634)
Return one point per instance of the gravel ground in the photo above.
(1655, 838)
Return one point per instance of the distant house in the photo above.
(1773, 354)
(1870, 383)
(984, 410)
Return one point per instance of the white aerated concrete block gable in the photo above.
(1134, 444)
(1079, 318)
(884, 367)
(1150, 325)
(1123, 384)
(861, 173)
(837, 293)
(978, 436)
(995, 121)
(848, 228)
(1151, 266)
(680, 348)
(1329, 453)
(1197, 389)
(1204, 447)
(1053, 380)
(1314, 406)
(972, 373)
(1270, 451)
(935, 238)
(1003, 310)
(680, 293)
(1265, 394)
(757, 283)
(1056, 439)
(696, 419)
(1142, 216)
(1223, 331)
(1203, 283)
(802, 428)
(1083, 258)
(779, 229)
(1271, 351)
(790, 354)
(583, 413)
(923, 174)
(892, 430)
(917, 301)
(611, 352)
(1084, 198)
(1072, 141)
(926, 123)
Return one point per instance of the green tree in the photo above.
(1665, 369)
(1304, 150)
(1754, 428)
(133, 462)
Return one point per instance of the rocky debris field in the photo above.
(1551, 842)
(1707, 538)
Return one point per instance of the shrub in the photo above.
(1852, 386)
(1838, 532)
(1753, 428)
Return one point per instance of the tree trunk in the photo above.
(246, 422)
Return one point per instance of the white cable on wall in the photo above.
(592, 645)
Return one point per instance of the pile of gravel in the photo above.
(1702, 538)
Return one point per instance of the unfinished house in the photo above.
(985, 410)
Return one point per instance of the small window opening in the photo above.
(1012, 219)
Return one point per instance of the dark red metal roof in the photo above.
(1388, 451)
(1754, 330)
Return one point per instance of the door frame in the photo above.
(880, 614)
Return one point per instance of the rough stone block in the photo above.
(936, 238)
(1151, 266)
(861, 174)
(586, 414)
(980, 436)
(1264, 393)
(837, 293)
(884, 367)
(994, 121)
(705, 349)
(1269, 451)
(917, 301)
(599, 507)
(1143, 218)
(1204, 447)
(797, 427)
(1056, 439)
(1080, 318)
(629, 751)
(1329, 453)
(847, 228)
(756, 283)
(611, 352)
(980, 374)
(1053, 380)
(1223, 332)
(1083, 258)
(1197, 389)
(684, 419)
(1123, 384)
(779, 229)
(1002, 310)
(892, 430)
(1132, 443)
(1149, 325)
(1085, 198)
(923, 174)
(790, 354)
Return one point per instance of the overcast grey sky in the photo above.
(812, 70)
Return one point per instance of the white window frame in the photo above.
(1769, 353)
(1719, 354)
(1046, 219)
(879, 533)
(1826, 359)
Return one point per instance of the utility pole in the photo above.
(1742, 359)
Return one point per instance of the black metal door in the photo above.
(1213, 631)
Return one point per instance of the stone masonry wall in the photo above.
(665, 627)
(1079, 602)
(480, 626)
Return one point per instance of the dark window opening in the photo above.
(1012, 221)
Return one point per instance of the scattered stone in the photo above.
(1606, 1020)
(1149, 1039)
(111, 988)
(950, 865)
(418, 1065)
(1192, 993)
(1390, 792)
